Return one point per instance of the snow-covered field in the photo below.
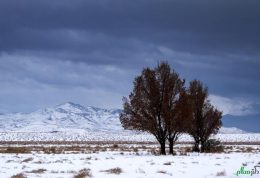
(112, 156)
(108, 157)
(131, 164)
(113, 136)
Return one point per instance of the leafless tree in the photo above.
(151, 106)
(180, 120)
(206, 119)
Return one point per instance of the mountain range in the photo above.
(64, 117)
(71, 117)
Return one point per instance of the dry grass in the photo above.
(222, 173)
(187, 149)
(60, 147)
(38, 162)
(162, 172)
(20, 175)
(38, 171)
(9, 161)
(116, 170)
(168, 163)
(115, 146)
(83, 173)
(182, 153)
(16, 150)
(54, 172)
(72, 172)
(195, 162)
(244, 164)
(154, 151)
(27, 160)
(249, 149)
(54, 150)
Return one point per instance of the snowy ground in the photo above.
(133, 165)
(128, 154)
(113, 136)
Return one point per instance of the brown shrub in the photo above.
(214, 146)
(135, 149)
(38, 171)
(188, 149)
(27, 160)
(222, 173)
(167, 163)
(17, 150)
(182, 153)
(52, 150)
(115, 146)
(162, 172)
(83, 173)
(249, 149)
(20, 175)
(116, 170)
(154, 151)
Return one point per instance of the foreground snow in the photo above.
(132, 164)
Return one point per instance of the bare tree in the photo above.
(206, 119)
(151, 104)
(180, 119)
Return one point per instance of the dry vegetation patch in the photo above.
(168, 163)
(83, 173)
(20, 175)
(164, 172)
(16, 150)
(222, 173)
(116, 170)
(37, 171)
(27, 160)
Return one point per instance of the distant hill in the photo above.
(65, 117)
(231, 130)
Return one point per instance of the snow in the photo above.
(81, 135)
(231, 130)
(132, 165)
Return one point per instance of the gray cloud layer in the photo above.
(90, 51)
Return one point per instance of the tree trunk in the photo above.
(196, 146)
(170, 145)
(162, 151)
(202, 149)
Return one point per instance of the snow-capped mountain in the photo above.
(70, 117)
(64, 117)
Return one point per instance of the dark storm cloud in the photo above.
(66, 44)
(199, 26)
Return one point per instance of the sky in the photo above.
(89, 52)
